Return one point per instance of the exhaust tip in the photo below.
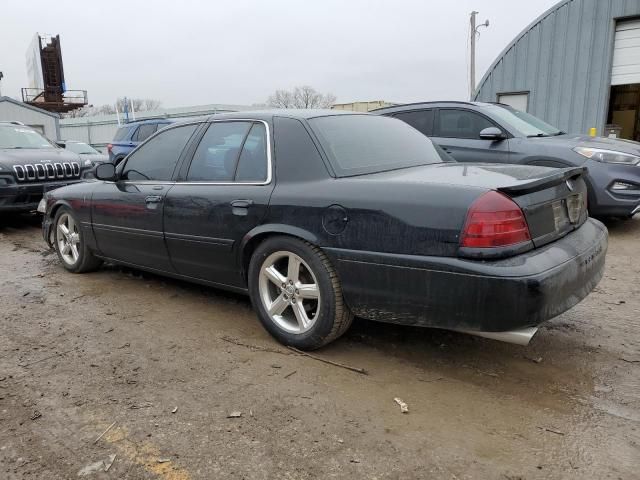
(518, 337)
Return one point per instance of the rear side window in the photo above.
(216, 157)
(252, 165)
(421, 120)
(144, 132)
(121, 134)
(157, 159)
(461, 124)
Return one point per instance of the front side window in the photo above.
(360, 144)
(16, 137)
(144, 132)
(421, 120)
(157, 159)
(462, 124)
(216, 157)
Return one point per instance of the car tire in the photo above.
(297, 294)
(70, 245)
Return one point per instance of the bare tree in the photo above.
(139, 105)
(301, 97)
(281, 99)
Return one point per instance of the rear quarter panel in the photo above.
(367, 212)
(359, 214)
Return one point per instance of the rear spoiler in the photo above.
(554, 178)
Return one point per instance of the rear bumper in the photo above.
(459, 294)
(25, 197)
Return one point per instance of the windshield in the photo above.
(15, 136)
(360, 144)
(525, 123)
(81, 148)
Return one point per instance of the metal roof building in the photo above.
(45, 122)
(577, 66)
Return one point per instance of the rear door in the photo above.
(457, 131)
(127, 214)
(421, 120)
(224, 194)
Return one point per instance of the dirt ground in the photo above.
(80, 352)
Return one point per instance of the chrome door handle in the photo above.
(153, 199)
(241, 203)
(240, 208)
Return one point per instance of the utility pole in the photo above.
(1, 77)
(472, 66)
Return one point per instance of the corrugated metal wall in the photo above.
(564, 61)
(10, 111)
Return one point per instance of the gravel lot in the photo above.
(80, 352)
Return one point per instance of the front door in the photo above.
(457, 131)
(224, 195)
(127, 215)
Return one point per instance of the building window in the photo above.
(517, 100)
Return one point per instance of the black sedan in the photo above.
(320, 216)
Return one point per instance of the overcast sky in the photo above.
(191, 52)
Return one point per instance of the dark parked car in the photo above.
(487, 132)
(84, 150)
(31, 164)
(130, 135)
(320, 215)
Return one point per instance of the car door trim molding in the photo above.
(226, 242)
(132, 231)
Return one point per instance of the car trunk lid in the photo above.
(553, 205)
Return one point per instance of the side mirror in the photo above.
(106, 171)
(492, 133)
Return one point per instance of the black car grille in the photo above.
(47, 171)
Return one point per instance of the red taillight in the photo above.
(109, 148)
(494, 220)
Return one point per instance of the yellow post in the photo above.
(593, 132)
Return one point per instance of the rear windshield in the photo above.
(15, 136)
(360, 144)
(121, 134)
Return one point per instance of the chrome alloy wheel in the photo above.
(289, 292)
(68, 238)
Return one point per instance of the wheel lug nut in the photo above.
(297, 291)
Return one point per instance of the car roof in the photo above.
(135, 123)
(283, 112)
(430, 104)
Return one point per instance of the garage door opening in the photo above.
(624, 106)
(624, 101)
